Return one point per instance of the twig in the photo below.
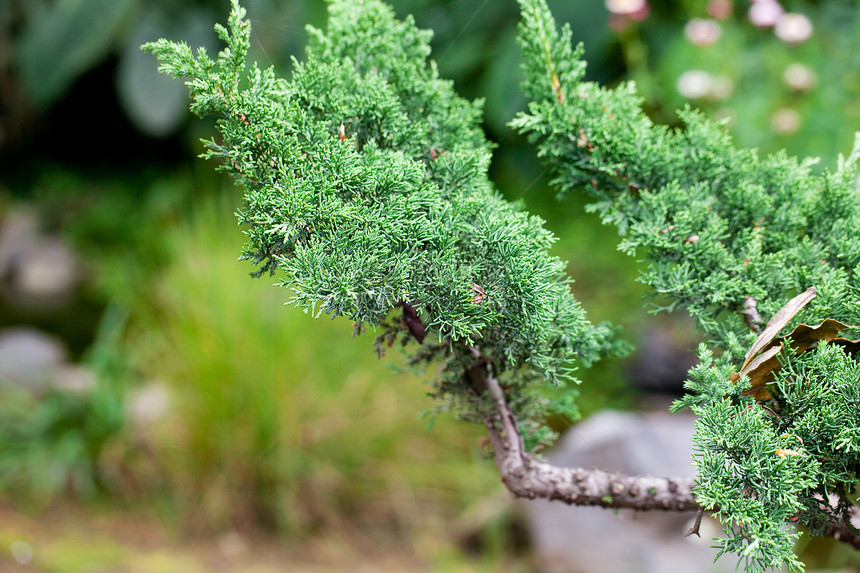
(694, 530)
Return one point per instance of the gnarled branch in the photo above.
(525, 476)
(528, 477)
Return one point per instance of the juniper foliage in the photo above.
(719, 227)
(366, 189)
(366, 193)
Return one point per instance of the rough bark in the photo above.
(526, 476)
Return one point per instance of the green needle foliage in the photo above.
(366, 192)
(366, 189)
(721, 228)
(717, 224)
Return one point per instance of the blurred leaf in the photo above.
(154, 102)
(70, 38)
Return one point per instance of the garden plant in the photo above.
(367, 195)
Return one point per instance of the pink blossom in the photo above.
(765, 13)
(793, 28)
(702, 32)
(720, 9)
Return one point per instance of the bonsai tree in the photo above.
(366, 192)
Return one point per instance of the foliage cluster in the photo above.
(794, 459)
(286, 429)
(720, 228)
(717, 224)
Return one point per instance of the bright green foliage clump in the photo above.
(722, 228)
(365, 181)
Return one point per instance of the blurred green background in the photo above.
(161, 411)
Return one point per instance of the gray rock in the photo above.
(29, 358)
(34, 269)
(18, 228)
(46, 270)
(590, 540)
(666, 351)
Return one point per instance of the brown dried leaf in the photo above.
(760, 372)
(852, 347)
(805, 336)
(778, 322)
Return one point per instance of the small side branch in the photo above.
(528, 477)
(751, 315)
(697, 524)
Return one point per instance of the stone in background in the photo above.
(570, 539)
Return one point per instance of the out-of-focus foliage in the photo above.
(86, 33)
(785, 73)
(52, 441)
(781, 88)
(275, 423)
